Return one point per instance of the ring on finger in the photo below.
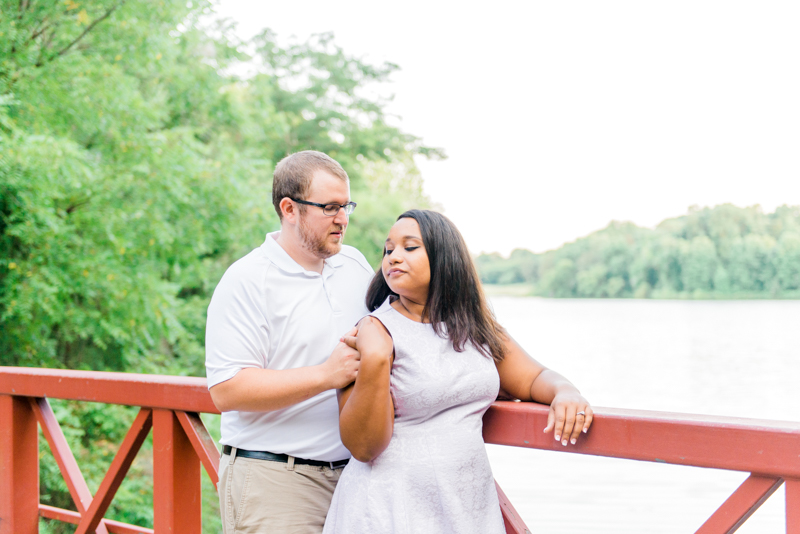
(581, 413)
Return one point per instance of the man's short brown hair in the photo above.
(292, 177)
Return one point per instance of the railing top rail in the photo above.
(94, 386)
(753, 445)
(738, 444)
(719, 421)
(184, 393)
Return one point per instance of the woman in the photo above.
(433, 359)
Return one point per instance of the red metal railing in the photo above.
(769, 450)
(181, 443)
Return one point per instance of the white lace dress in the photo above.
(434, 477)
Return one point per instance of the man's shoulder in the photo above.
(255, 260)
(248, 270)
(351, 255)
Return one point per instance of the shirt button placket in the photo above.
(334, 305)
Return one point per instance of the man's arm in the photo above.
(237, 350)
(263, 390)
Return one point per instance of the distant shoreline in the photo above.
(720, 253)
(529, 290)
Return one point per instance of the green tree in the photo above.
(700, 262)
(135, 167)
(787, 261)
(644, 274)
(592, 282)
(491, 267)
(720, 252)
(560, 280)
(751, 265)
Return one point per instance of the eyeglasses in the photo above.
(331, 210)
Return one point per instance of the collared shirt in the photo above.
(268, 312)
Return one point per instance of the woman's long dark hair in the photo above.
(456, 305)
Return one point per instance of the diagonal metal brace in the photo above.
(64, 458)
(202, 443)
(116, 473)
(740, 505)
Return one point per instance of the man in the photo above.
(274, 359)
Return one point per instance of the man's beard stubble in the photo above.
(318, 245)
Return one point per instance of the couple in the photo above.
(412, 380)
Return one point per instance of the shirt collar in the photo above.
(284, 262)
(335, 260)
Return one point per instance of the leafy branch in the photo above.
(83, 34)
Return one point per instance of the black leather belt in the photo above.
(272, 457)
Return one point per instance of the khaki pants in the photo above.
(260, 496)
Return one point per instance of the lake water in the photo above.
(733, 358)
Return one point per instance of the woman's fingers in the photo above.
(568, 417)
(583, 420)
(569, 425)
(589, 418)
(580, 424)
(558, 414)
(551, 421)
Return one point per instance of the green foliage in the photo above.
(387, 190)
(135, 167)
(521, 266)
(133, 170)
(721, 252)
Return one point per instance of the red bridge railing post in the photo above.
(19, 467)
(792, 505)
(176, 477)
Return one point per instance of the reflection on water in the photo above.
(734, 358)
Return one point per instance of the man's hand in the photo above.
(342, 365)
(371, 339)
(264, 390)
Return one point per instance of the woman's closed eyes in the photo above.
(388, 252)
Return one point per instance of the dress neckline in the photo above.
(391, 299)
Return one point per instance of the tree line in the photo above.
(719, 252)
(136, 165)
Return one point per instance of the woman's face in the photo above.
(405, 263)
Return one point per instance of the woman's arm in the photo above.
(366, 411)
(526, 379)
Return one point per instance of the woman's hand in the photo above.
(570, 414)
(524, 378)
(366, 412)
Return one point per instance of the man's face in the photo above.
(323, 235)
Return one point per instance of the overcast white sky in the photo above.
(559, 117)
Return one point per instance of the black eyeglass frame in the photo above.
(348, 208)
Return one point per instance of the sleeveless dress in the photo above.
(434, 477)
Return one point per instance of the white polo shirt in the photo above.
(268, 312)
